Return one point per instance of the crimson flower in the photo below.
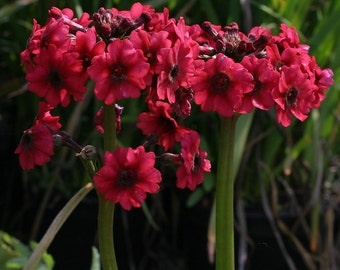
(191, 173)
(265, 79)
(119, 73)
(294, 95)
(150, 44)
(159, 122)
(87, 46)
(57, 76)
(35, 147)
(127, 175)
(174, 68)
(219, 85)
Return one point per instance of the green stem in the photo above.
(106, 208)
(55, 226)
(225, 259)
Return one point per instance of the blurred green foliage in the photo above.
(14, 254)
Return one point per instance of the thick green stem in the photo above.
(225, 259)
(106, 208)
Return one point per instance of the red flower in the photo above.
(265, 79)
(150, 44)
(160, 123)
(191, 173)
(127, 175)
(119, 73)
(57, 76)
(87, 46)
(175, 67)
(294, 95)
(220, 85)
(35, 147)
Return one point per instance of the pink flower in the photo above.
(175, 67)
(294, 95)
(57, 76)
(127, 175)
(219, 85)
(191, 173)
(265, 79)
(35, 147)
(159, 122)
(150, 44)
(87, 46)
(119, 73)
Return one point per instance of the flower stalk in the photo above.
(55, 227)
(106, 208)
(225, 258)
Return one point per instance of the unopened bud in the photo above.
(88, 152)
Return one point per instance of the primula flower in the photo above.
(294, 95)
(191, 173)
(159, 122)
(265, 79)
(219, 85)
(87, 46)
(35, 147)
(150, 44)
(127, 175)
(119, 73)
(57, 76)
(174, 68)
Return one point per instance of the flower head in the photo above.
(191, 172)
(265, 79)
(35, 147)
(119, 73)
(294, 95)
(160, 123)
(174, 68)
(127, 175)
(220, 85)
(57, 76)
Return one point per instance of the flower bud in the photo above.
(88, 152)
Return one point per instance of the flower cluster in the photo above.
(141, 52)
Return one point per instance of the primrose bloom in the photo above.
(191, 172)
(127, 175)
(119, 73)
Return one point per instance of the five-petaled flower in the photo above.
(127, 175)
(219, 85)
(119, 73)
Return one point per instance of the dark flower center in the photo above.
(27, 139)
(291, 97)
(220, 82)
(197, 163)
(126, 178)
(118, 73)
(55, 79)
(151, 56)
(173, 73)
(257, 87)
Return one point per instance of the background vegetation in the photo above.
(287, 187)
